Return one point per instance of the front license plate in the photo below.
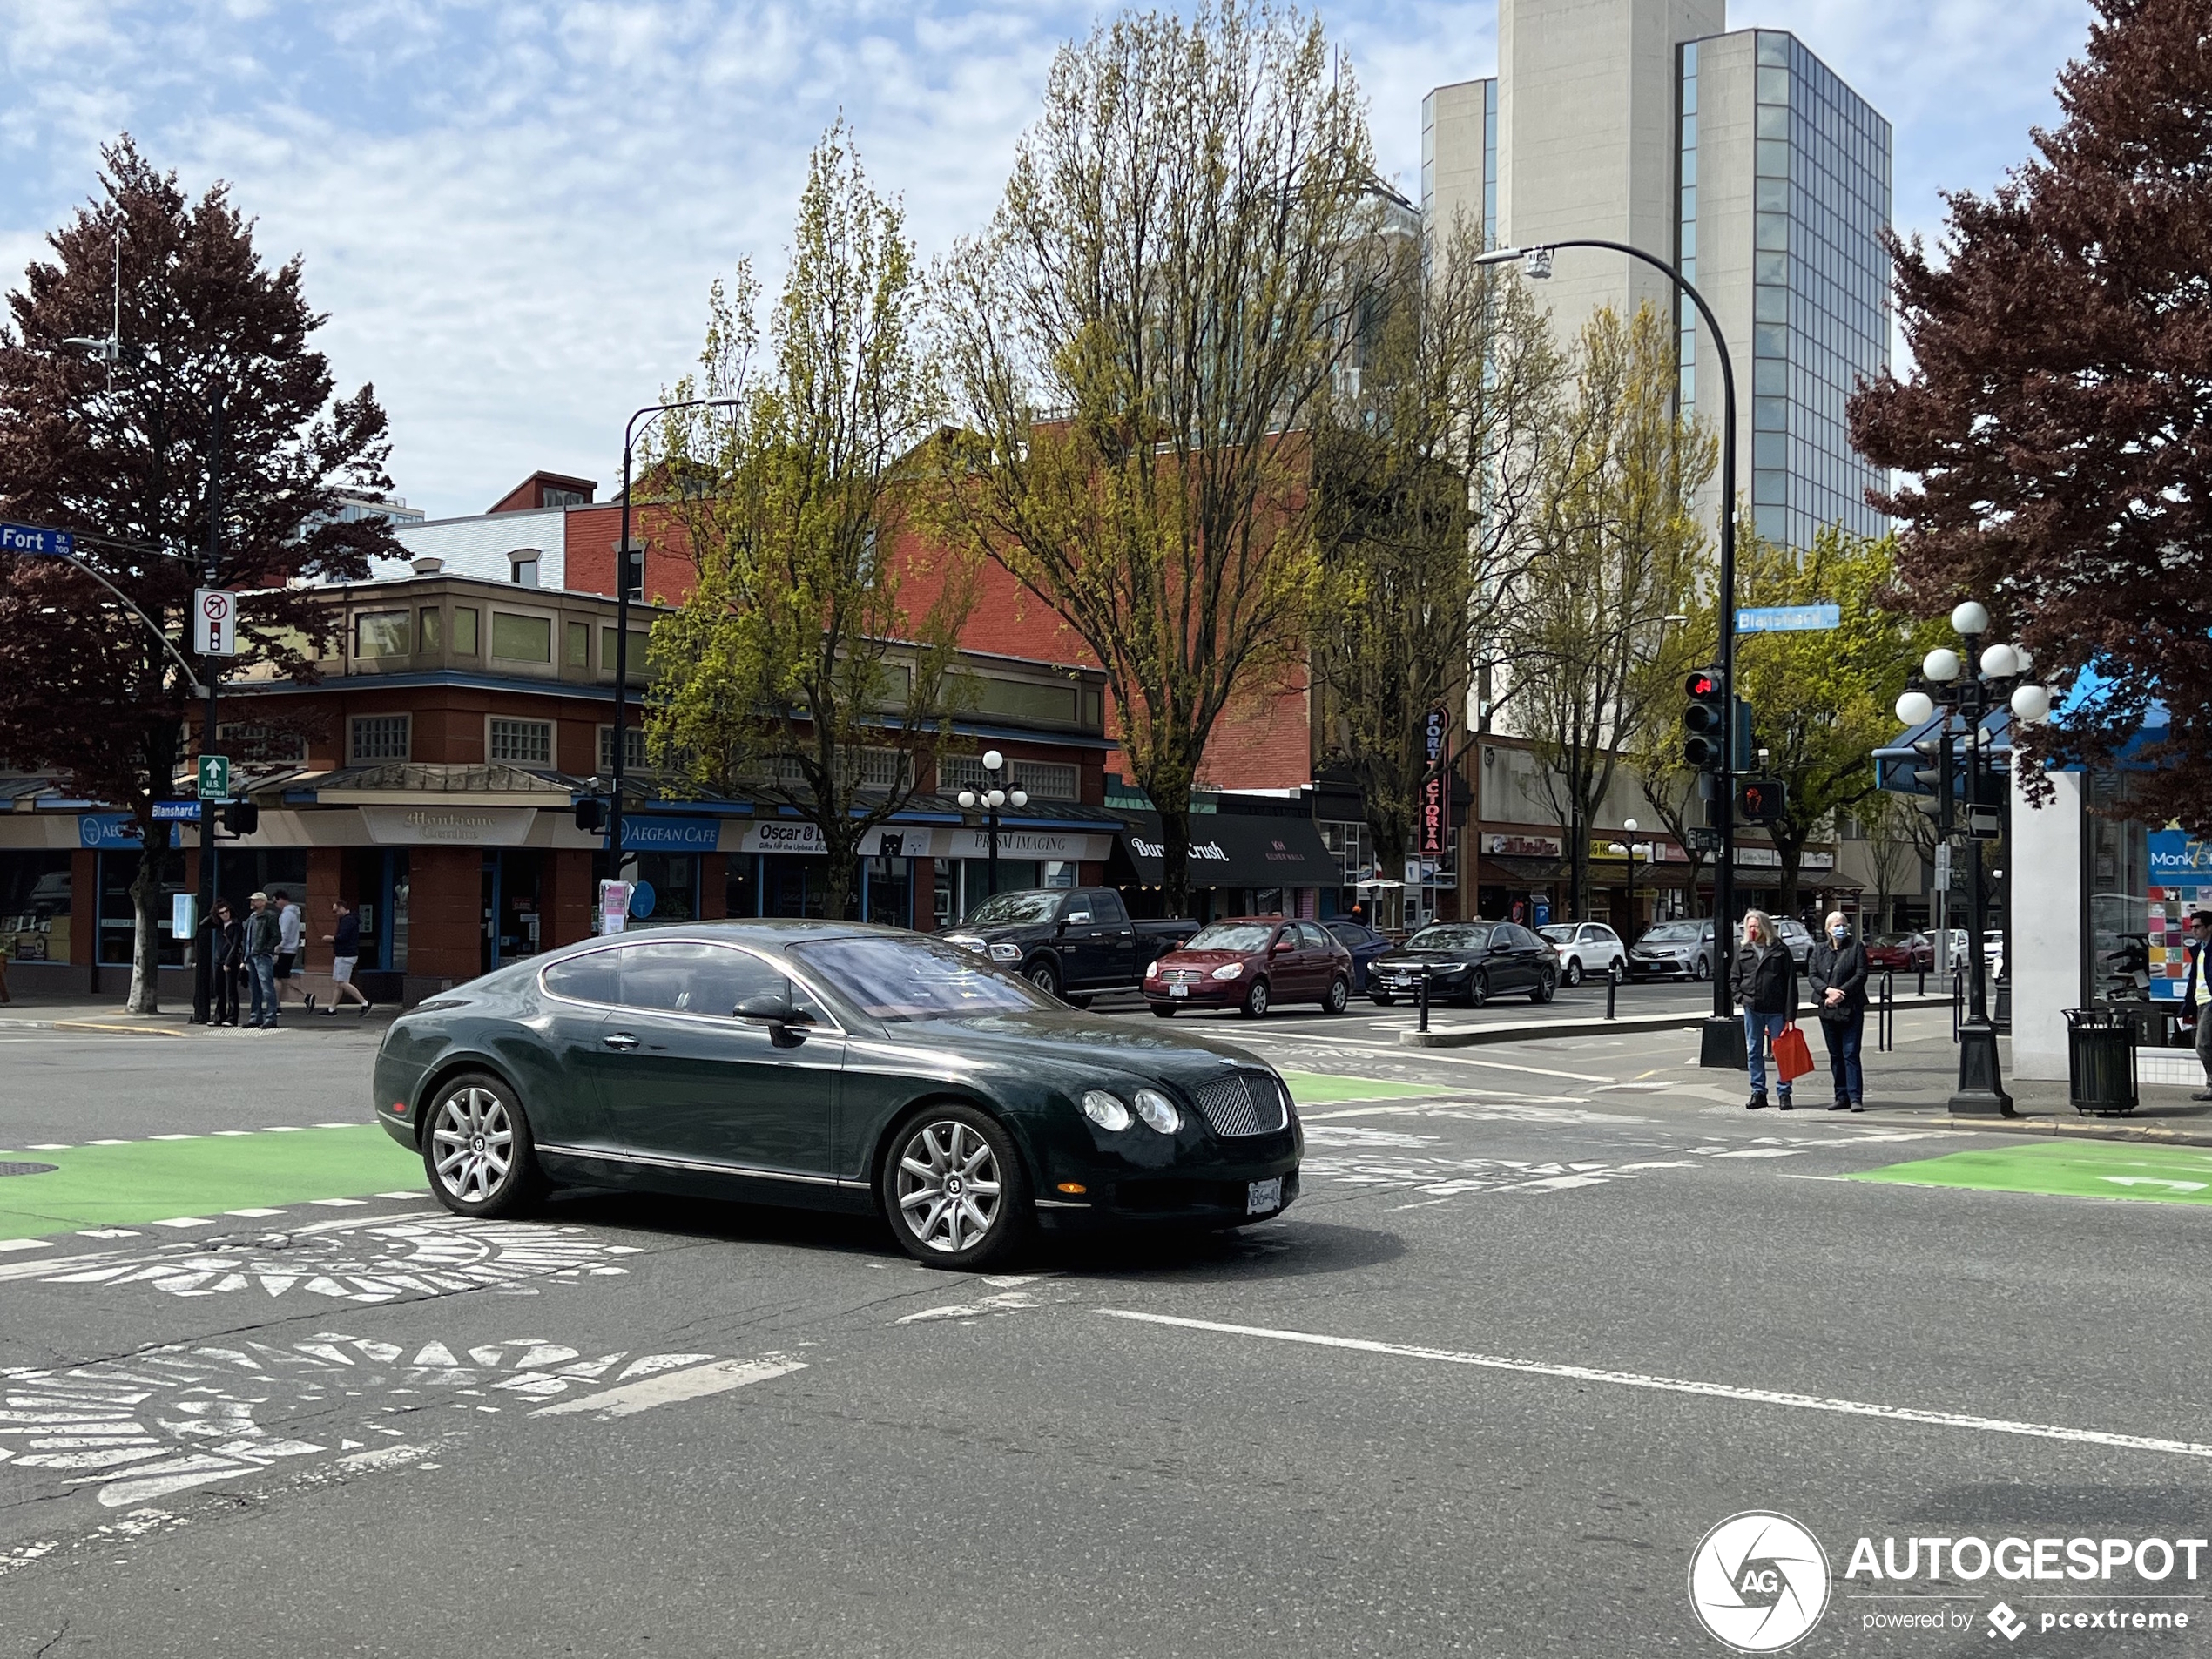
(1178, 990)
(1264, 1198)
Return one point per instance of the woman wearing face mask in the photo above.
(1837, 969)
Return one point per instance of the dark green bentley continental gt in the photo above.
(834, 1065)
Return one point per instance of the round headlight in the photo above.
(1229, 970)
(1006, 952)
(1104, 1109)
(1158, 1111)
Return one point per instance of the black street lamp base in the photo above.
(1721, 1044)
(1981, 1084)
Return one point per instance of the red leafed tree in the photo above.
(2057, 428)
(214, 404)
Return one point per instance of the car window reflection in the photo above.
(899, 980)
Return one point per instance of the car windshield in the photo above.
(1450, 939)
(901, 979)
(1891, 939)
(1243, 935)
(1672, 933)
(1004, 909)
(1559, 935)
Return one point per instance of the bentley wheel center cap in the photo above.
(952, 1186)
(476, 1145)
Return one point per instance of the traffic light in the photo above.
(1763, 800)
(591, 815)
(241, 817)
(1705, 720)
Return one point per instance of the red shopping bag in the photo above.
(1792, 1054)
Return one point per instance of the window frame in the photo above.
(552, 740)
(355, 758)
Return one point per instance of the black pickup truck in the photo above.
(1074, 942)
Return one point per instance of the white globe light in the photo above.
(2000, 661)
(1916, 708)
(2031, 705)
(997, 798)
(968, 800)
(1019, 797)
(1628, 823)
(993, 760)
(1970, 616)
(1940, 665)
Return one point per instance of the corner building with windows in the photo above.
(1741, 156)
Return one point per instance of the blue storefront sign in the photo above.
(670, 834)
(114, 832)
(1776, 619)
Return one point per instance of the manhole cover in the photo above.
(28, 1169)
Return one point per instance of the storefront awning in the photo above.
(1229, 850)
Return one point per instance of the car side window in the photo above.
(1106, 906)
(679, 977)
(591, 977)
(1312, 938)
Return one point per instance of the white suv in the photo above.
(1586, 950)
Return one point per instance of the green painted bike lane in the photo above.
(139, 1182)
(2070, 1169)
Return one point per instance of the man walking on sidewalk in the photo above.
(262, 936)
(291, 948)
(2196, 997)
(345, 944)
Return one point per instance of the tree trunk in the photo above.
(1391, 841)
(841, 878)
(1175, 860)
(145, 936)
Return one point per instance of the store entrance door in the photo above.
(511, 916)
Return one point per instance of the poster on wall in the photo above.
(2181, 884)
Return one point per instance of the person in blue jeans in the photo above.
(1837, 969)
(1764, 979)
(262, 934)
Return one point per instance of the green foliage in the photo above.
(795, 668)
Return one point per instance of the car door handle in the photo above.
(621, 1040)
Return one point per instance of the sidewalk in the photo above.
(107, 1015)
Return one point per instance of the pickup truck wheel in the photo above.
(1044, 977)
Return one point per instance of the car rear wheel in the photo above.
(1046, 977)
(1574, 972)
(1546, 986)
(954, 1189)
(477, 1149)
(1339, 997)
(1255, 1001)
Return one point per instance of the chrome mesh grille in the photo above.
(1251, 1102)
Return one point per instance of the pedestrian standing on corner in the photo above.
(230, 962)
(345, 943)
(263, 935)
(2196, 997)
(1764, 981)
(291, 948)
(1837, 970)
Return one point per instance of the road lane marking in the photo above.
(26, 1244)
(1426, 1055)
(185, 1221)
(1683, 1385)
(672, 1385)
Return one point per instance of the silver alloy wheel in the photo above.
(948, 1186)
(1255, 998)
(475, 1144)
(1574, 971)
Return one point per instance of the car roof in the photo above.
(1256, 922)
(759, 930)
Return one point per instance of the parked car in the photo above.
(1251, 963)
(1901, 953)
(1794, 933)
(1365, 944)
(1466, 962)
(1673, 950)
(836, 1066)
(1586, 950)
(1070, 942)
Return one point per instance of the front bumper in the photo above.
(1178, 1200)
(1662, 968)
(1203, 994)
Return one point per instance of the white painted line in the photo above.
(337, 1204)
(106, 1232)
(107, 1143)
(26, 1244)
(1762, 1152)
(253, 1213)
(172, 1137)
(337, 1126)
(185, 1221)
(1680, 1386)
(232, 1131)
(50, 1146)
(672, 1385)
(416, 1194)
(284, 1129)
(1425, 1055)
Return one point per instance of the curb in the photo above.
(1538, 1030)
(2089, 1129)
(99, 1025)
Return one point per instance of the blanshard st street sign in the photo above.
(29, 539)
(1784, 619)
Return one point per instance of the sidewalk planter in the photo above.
(2100, 1063)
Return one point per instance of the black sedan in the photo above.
(1466, 962)
(835, 1066)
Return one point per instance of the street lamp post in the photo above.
(623, 557)
(1628, 851)
(1967, 686)
(1721, 1043)
(993, 794)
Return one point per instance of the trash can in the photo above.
(2100, 1062)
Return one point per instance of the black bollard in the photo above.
(1612, 990)
(1423, 1025)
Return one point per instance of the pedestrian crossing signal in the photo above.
(591, 815)
(1764, 801)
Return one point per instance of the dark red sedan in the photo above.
(1251, 963)
(1900, 952)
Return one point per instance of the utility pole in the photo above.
(205, 1005)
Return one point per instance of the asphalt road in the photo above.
(1547, 1314)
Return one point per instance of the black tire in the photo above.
(938, 1146)
(1165, 1010)
(1255, 1001)
(1477, 990)
(1339, 997)
(1044, 975)
(1078, 1002)
(1382, 1002)
(1546, 988)
(1574, 975)
(1703, 970)
(1619, 970)
(463, 1129)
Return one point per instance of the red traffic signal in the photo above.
(1764, 801)
(1705, 721)
(1703, 684)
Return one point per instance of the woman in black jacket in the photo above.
(1837, 968)
(1764, 979)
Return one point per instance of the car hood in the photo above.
(1428, 958)
(1205, 958)
(1075, 1045)
(1668, 947)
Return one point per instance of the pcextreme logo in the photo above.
(1759, 1581)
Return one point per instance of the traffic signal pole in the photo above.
(207, 1008)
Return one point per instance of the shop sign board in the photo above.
(1433, 816)
(114, 832)
(2181, 885)
(448, 825)
(1523, 847)
(650, 834)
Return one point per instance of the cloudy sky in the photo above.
(512, 210)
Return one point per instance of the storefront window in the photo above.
(119, 916)
(674, 878)
(740, 883)
(33, 907)
(2119, 929)
(890, 895)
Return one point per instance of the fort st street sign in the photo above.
(29, 539)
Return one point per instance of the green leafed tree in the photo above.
(794, 670)
(213, 404)
(1138, 343)
(1429, 457)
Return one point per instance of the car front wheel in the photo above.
(1478, 991)
(1703, 970)
(1255, 1000)
(1045, 976)
(477, 1149)
(1574, 972)
(955, 1189)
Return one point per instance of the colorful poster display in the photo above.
(2181, 884)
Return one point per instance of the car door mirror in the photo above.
(1282, 945)
(1076, 919)
(765, 1007)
